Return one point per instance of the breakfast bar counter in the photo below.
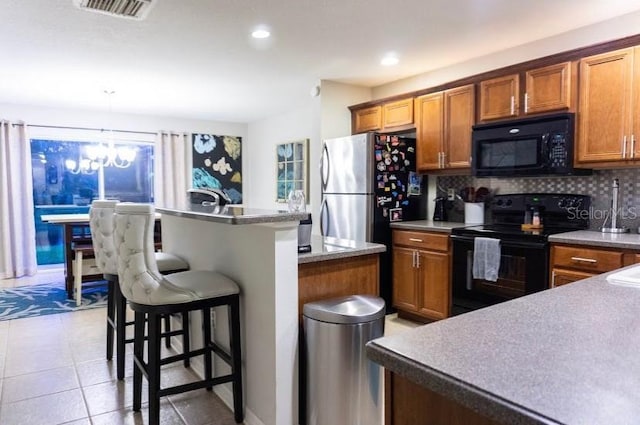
(566, 355)
(257, 249)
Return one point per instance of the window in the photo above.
(66, 180)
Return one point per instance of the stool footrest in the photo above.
(195, 385)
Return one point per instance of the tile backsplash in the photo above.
(598, 186)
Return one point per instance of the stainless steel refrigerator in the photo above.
(369, 180)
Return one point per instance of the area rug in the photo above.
(49, 298)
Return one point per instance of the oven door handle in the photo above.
(503, 243)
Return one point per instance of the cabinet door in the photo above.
(367, 119)
(459, 117)
(405, 296)
(605, 106)
(499, 97)
(635, 131)
(429, 131)
(397, 113)
(433, 285)
(548, 88)
(562, 277)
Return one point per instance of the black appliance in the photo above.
(524, 254)
(440, 209)
(528, 147)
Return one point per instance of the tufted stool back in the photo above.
(140, 280)
(102, 226)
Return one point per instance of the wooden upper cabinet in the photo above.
(367, 119)
(499, 97)
(397, 113)
(606, 102)
(548, 88)
(429, 131)
(459, 117)
(443, 128)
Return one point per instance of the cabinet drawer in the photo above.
(562, 277)
(587, 259)
(422, 240)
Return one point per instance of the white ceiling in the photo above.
(195, 58)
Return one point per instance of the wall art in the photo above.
(217, 164)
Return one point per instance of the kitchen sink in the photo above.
(626, 277)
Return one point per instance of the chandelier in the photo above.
(103, 154)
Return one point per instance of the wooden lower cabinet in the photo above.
(336, 278)
(407, 403)
(570, 263)
(421, 276)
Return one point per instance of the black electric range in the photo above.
(524, 254)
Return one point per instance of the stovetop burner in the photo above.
(559, 213)
(509, 232)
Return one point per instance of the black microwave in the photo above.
(528, 147)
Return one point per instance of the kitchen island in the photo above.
(258, 249)
(566, 355)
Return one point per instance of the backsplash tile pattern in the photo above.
(598, 186)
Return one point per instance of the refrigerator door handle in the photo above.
(324, 166)
(324, 217)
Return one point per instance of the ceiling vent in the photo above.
(131, 9)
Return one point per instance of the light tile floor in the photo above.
(54, 371)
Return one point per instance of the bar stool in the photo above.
(152, 294)
(101, 223)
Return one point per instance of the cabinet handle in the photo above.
(553, 278)
(513, 105)
(526, 103)
(633, 146)
(417, 260)
(624, 147)
(413, 259)
(441, 160)
(415, 240)
(584, 260)
(444, 155)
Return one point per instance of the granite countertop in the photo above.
(327, 248)
(233, 214)
(565, 355)
(595, 238)
(427, 225)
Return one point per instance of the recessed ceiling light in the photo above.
(389, 60)
(260, 33)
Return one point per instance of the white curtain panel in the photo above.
(17, 226)
(172, 168)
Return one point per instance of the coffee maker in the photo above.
(304, 235)
(440, 210)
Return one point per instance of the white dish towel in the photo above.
(486, 258)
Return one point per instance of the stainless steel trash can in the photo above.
(343, 387)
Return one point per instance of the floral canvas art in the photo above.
(217, 164)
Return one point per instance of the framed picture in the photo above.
(292, 169)
(395, 214)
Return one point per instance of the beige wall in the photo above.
(620, 27)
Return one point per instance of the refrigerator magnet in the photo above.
(395, 214)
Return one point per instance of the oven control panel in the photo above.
(559, 210)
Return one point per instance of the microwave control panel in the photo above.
(557, 149)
